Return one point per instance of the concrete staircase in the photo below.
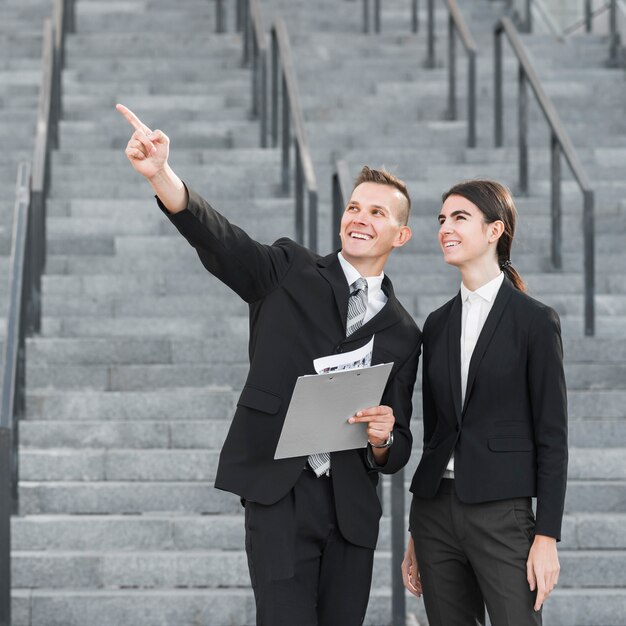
(134, 378)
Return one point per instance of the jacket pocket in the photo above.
(260, 400)
(511, 444)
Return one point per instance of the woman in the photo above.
(495, 430)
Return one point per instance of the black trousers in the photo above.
(303, 572)
(472, 555)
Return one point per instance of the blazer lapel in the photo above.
(454, 354)
(491, 323)
(330, 268)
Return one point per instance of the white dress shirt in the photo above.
(376, 298)
(475, 309)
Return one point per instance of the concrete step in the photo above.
(223, 607)
(609, 434)
(141, 377)
(103, 497)
(236, 607)
(203, 135)
(185, 465)
(216, 568)
(125, 497)
(99, 435)
(183, 403)
(147, 466)
(163, 531)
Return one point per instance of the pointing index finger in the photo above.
(132, 119)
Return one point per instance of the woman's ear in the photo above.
(495, 230)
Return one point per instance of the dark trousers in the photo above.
(303, 572)
(472, 555)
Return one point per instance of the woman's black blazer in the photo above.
(510, 437)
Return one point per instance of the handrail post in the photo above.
(471, 100)
(313, 220)
(588, 16)
(398, 535)
(274, 90)
(430, 59)
(498, 108)
(589, 243)
(555, 204)
(377, 16)
(286, 136)
(247, 29)
(341, 181)
(6, 457)
(528, 23)
(220, 17)
(337, 206)
(261, 86)
(522, 125)
(299, 195)
(366, 16)
(614, 38)
(240, 8)
(415, 24)
(451, 69)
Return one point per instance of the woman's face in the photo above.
(464, 236)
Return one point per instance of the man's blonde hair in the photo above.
(383, 177)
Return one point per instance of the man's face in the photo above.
(371, 225)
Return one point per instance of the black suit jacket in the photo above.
(510, 437)
(298, 305)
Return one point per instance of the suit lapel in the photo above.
(454, 354)
(330, 268)
(491, 323)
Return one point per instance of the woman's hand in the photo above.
(410, 570)
(542, 568)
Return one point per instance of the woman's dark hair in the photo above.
(495, 203)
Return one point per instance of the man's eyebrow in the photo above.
(455, 213)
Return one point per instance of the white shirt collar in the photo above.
(374, 283)
(487, 292)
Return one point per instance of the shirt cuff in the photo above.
(370, 460)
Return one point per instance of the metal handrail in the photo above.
(560, 143)
(283, 74)
(13, 401)
(255, 46)
(28, 254)
(377, 21)
(456, 24)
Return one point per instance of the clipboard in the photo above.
(317, 417)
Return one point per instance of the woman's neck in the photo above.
(475, 275)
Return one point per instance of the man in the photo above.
(311, 523)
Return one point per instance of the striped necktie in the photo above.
(357, 306)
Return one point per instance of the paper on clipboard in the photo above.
(317, 418)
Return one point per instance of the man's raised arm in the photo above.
(147, 151)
